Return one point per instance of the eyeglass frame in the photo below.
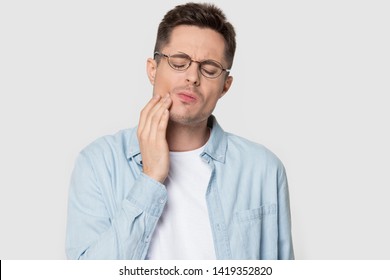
(227, 70)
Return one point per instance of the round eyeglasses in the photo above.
(209, 68)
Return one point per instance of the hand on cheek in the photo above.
(151, 134)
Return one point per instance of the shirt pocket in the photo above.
(257, 231)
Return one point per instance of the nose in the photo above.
(193, 74)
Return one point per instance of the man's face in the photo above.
(194, 96)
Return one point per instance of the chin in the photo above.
(180, 118)
(186, 119)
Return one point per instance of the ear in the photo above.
(151, 67)
(227, 84)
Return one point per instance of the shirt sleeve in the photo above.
(285, 243)
(95, 233)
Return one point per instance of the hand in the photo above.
(151, 134)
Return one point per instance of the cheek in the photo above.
(212, 100)
(217, 92)
(162, 84)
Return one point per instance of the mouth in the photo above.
(187, 97)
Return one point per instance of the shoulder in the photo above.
(114, 144)
(251, 152)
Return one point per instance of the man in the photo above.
(178, 186)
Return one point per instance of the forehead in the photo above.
(199, 43)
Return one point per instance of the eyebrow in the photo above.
(207, 59)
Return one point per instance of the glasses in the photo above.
(209, 68)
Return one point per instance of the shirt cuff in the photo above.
(148, 194)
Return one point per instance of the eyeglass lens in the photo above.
(208, 68)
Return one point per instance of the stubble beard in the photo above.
(187, 119)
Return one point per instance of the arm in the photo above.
(94, 234)
(285, 244)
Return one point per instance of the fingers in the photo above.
(162, 127)
(145, 111)
(152, 115)
(152, 137)
(158, 120)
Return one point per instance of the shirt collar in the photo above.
(215, 148)
(217, 145)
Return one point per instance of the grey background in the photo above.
(311, 82)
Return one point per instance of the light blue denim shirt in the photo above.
(113, 207)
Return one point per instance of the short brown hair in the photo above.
(201, 15)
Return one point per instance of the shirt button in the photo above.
(162, 201)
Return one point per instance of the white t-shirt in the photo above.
(183, 231)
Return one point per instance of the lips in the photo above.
(187, 97)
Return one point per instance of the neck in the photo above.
(183, 138)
